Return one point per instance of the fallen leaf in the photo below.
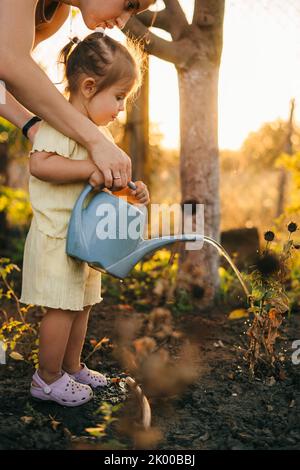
(17, 356)
(100, 343)
(292, 404)
(115, 380)
(219, 344)
(204, 437)
(238, 313)
(282, 374)
(26, 419)
(127, 307)
(99, 431)
(55, 424)
(177, 334)
(270, 381)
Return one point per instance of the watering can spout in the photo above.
(124, 266)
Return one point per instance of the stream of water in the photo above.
(224, 253)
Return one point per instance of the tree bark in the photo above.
(198, 270)
(283, 176)
(136, 136)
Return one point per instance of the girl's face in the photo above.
(109, 13)
(105, 106)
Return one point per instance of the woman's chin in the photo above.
(90, 23)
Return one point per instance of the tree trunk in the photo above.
(136, 138)
(283, 177)
(199, 157)
(195, 50)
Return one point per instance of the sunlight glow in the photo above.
(259, 74)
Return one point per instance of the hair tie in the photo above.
(75, 40)
(101, 30)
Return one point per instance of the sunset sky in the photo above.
(260, 70)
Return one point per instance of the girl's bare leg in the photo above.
(71, 360)
(55, 330)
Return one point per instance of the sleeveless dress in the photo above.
(50, 277)
(45, 12)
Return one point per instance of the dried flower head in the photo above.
(268, 264)
(269, 236)
(292, 227)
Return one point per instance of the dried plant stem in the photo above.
(10, 289)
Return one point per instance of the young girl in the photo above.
(101, 73)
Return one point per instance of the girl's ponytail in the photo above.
(66, 50)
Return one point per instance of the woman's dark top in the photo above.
(45, 11)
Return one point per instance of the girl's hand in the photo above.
(141, 193)
(96, 178)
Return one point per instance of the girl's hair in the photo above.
(104, 59)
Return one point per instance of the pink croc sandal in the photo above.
(64, 391)
(89, 377)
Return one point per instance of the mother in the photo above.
(23, 25)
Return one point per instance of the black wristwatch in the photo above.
(29, 124)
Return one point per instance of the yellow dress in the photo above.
(50, 277)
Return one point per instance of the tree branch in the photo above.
(177, 19)
(158, 19)
(153, 44)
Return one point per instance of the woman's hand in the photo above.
(141, 193)
(114, 164)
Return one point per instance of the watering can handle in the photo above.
(77, 212)
(88, 189)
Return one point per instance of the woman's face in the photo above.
(110, 13)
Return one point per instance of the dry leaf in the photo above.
(17, 356)
(26, 419)
(115, 380)
(54, 424)
(100, 343)
(238, 313)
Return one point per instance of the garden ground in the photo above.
(217, 408)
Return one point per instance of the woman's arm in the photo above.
(57, 169)
(15, 112)
(32, 88)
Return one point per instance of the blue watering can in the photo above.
(107, 233)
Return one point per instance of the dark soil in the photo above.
(221, 409)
